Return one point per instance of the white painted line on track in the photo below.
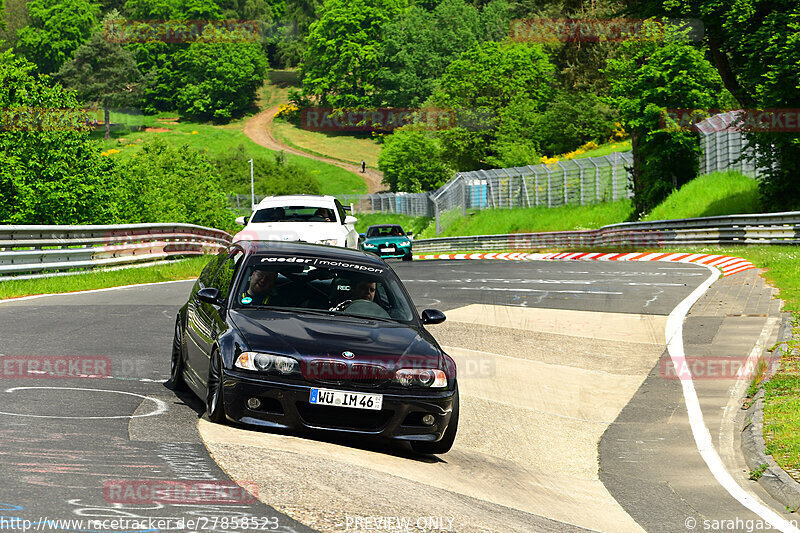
(509, 289)
(702, 436)
(34, 296)
(161, 406)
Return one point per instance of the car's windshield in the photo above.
(385, 231)
(321, 284)
(294, 213)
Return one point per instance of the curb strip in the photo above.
(727, 264)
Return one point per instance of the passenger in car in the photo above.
(363, 290)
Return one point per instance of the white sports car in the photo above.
(313, 219)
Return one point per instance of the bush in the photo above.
(165, 184)
(411, 161)
(272, 176)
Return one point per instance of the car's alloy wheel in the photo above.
(444, 445)
(176, 381)
(214, 404)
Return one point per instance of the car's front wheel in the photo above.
(176, 381)
(214, 405)
(443, 445)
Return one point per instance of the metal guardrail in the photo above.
(30, 251)
(769, 228)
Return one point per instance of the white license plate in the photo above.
(337, 398)
(387, 250)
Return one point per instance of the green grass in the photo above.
(719, 193)
(412, 224)
(342, 146)
(535, 219)
(176, 270)
(607, 149)
(215, 140)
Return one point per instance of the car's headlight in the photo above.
(421, 376)
(266, 362)
(405, 243)
(328, 242)
(368, 245)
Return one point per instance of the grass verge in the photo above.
(188, 268)
(133, 131)
(348, 147)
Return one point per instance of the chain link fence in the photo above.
(569, 182)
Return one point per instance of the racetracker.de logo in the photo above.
(589, 30)
(181, 31)
(55, 366)
(786, 120)
(159, 491)
(702, 368)
(391, 118)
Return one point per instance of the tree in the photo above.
(273, 176)
(219, 80)
(755, 47)
(103, 72)
(411, 161)
(56, 30)
(51, 172)
(341, 63)
(650, 74)
(479, 86)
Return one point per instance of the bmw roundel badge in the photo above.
(348, 355)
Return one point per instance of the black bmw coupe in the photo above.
(302, 336)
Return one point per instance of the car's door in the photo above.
(213, 317)
(196, 322)
(351, 240)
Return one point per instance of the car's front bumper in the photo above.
(286, 406)
(401, 252)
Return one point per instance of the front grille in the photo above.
(343, 418)
(354, 375)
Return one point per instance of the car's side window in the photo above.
(340, 210)
(224, 278)
(210, 269)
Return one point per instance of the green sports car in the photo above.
(387, 240)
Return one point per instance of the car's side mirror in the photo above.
(362, 237)
(350, 219)
(409, 233)
(242, 221)
(209, 295)
(433, 316)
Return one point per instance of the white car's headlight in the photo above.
(266, 362)
(328, 242)
(421, 376)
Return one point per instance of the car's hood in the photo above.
(291, 231)
(386, 240)
(307, 337)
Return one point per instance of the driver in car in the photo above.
(261, 289)
(363, 290)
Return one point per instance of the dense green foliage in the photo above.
(658, 71)
(411, 161)
(102, 72)
(340, 65)
(272, 176)
(55, 31)
(755, 46)
(218, 80)
(51, 173)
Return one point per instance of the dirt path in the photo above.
(259, 129)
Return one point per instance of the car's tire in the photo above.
(215, 406)
(176, 381)
(443, 445)
(408, 257)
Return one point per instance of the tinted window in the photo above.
(385, 231)
(294, 213)
(323, 285)
(210, 269)
(223, 280)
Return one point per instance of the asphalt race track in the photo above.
(570, 419)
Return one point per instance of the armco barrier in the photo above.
(770, 228)
(29, 251)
